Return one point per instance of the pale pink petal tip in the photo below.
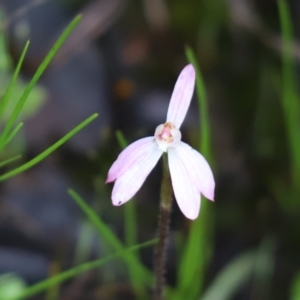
(189, 68)
(208, 190)
(210, 195)
(192, 214)
(181, 96)
(108, 180)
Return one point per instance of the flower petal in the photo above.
(130, 156)
(198, 169)
(130, 182)
(186, 193)
(181, 97)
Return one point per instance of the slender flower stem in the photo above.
(163, 230)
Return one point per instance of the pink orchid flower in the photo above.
(190, 172)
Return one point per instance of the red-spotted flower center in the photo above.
(167, 135)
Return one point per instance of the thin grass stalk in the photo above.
(199, 243)
(71, 273)
(48, 151)
(45, 63)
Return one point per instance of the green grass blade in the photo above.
(9, 160)
(71, 273)
(295, 288)
(196, 255)
(130, 225)
(131, 239)
(121, 139)
(10, 88)
(145, 275)
(13, 133)
(263, 269)
(129, 208)
(36, 77)
(48, 151)
(205, 140)
(290, 95)
(197, 251)
(84, 243)
(231, 278)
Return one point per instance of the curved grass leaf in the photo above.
(145, 276)
(5, 99)
(204, 128)
(198, 247)
(48, 151)
(231, 278)
(45, 284)
(13, 133)
(8, 126)
(130, 224)
(9, 160)
(290, 93)
(295, 288)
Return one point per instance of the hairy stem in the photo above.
(163, 230)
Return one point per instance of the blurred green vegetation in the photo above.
(246, 245)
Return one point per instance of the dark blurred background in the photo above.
(122, 61)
